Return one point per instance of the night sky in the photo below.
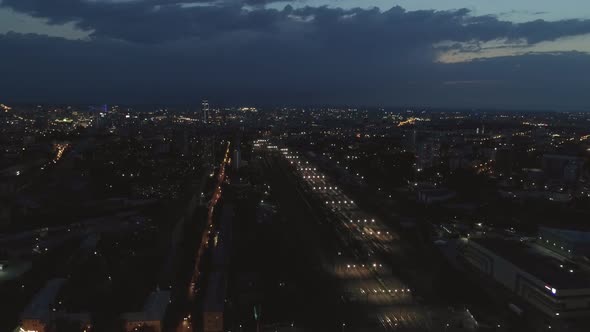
(532, 54)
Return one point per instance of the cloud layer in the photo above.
(156, 21)
(242, 51)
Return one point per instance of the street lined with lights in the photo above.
(364, 239)
(210, 210)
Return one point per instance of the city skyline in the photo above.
(294, 165)
(157, 219)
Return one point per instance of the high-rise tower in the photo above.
(205, 110)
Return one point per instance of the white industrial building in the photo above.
(551, 283)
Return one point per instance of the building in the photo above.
(152, 315)
(550, 283)
(208, 152)
(428, 152)
(567, 243)
(237, 158)
(81, 321)
(434, 195)
(205, 111)
(5, 212)
(38, 315)
(214, 304)
(563, 167)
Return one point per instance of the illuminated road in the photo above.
(186, 324)
(211, 208)
(59, 151)
(360, 266)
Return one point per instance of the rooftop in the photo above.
(156, 304)
(154, 308)
(38, 308)
(569, 235)
(215, 296)
(554, 272)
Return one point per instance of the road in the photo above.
(210, 210)
(186, 324)
(354, 251)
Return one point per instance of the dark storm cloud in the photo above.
(171, 51)
(273, 72)
(154, 21)
(148, 21)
